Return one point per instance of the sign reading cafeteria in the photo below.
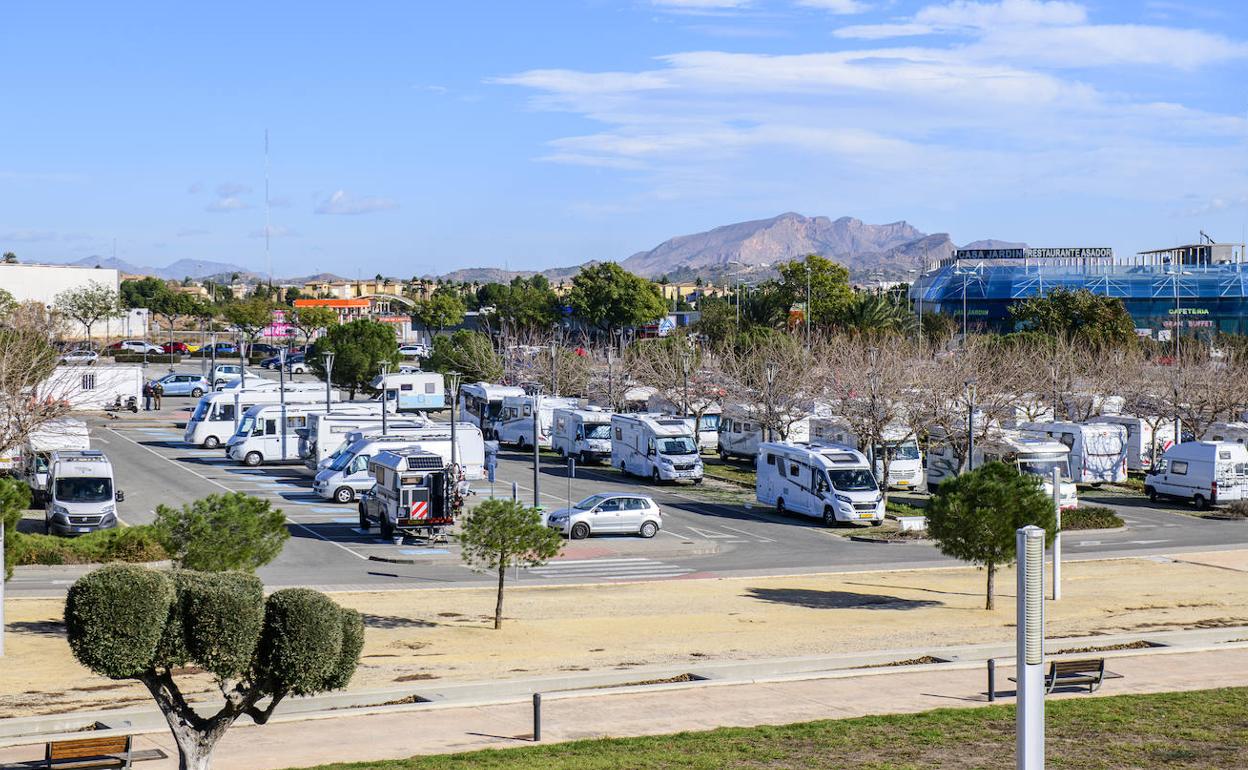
(1061, 252)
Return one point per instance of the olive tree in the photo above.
(131, 622)
(222, 532)
(974, 516)
(499, 534)
(88, 304)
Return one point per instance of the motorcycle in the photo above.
(131, 404)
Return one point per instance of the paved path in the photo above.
(391, 735)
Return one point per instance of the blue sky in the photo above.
(419, 137)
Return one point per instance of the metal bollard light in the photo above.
(537, 717)
(992, 679)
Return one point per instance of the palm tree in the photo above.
(873, 314)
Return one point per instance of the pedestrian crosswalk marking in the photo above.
(608, 569)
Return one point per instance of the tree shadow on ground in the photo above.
(836, 600)
(395, 621)
(38, 627)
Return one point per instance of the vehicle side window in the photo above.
(650, 447)
(430, 387)
(1179, 467)
(610, 505)
(270, 427)
(636, 504)
(1068, 439)
(619, 434)
(795, 469)
(771, 459)
(360, 463)
(528, 410)
(779, 467)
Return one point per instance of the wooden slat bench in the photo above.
(90, 753)
(1075, 673)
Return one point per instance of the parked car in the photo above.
(135, 346)
(192, 385)
(263, 349)
(223, 373)
(609, 513)
(80, 357)
(180, 348)
(414, 351)
(296, 364)
(222, 349)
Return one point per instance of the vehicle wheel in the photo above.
(344, 494)
(623, 469)
(197, 392)
(780, 506)
(252, 459)
(387, 529)
(580, 531)
(134, 409)
(364, 522)
(877, 523)
(520, 444)
(723, 456)
(697, 482)
(47, 527)
(654, 477)
(582, 459)
(561, 452)
(212, 442)
(1200, 502)
(1151, 494)
(649, 529)
(829, 516)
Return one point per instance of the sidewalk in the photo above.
(588, 714)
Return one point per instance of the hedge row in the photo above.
(152, 358)
(1091, 517)
(129, 544)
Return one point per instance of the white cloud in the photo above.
(228, 204)
(28, 236)
(275, 231)
(343, 203)
(700, 5)
(836, 6)
(232, 189)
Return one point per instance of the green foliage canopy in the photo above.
(1093, 318)
(499, 534)
(222, 532)
(359, 349)
(609, 297)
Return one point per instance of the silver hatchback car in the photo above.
(611, 513)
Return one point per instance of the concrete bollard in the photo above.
(537, 717)
(992, 679)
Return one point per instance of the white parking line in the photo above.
(760, 538)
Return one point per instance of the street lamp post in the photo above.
(281, 392)
(453, 379)
(328, 358)
(385, 397)
(770, 370)
(970, 425)
(808, 308)
(537, 449)
(686, 361)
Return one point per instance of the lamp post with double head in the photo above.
(328, 358)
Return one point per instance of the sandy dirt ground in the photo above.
(448, 635)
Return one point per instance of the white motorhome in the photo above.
(515, 426)
(348, 474)
(658, 446)
(325, 432)
(740, 433)
(582, 433)
(1205, 472)
(1098, 450)
(1030, 453)
(1224, 431)
(412, 391)
(216, 414)
(1143, 443)
(263, 437)
(93, 387)
(827, 481)
(35, 455)
(905, 471)
(81, 495)
(708, 423)
(484, 402)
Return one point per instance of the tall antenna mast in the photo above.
(268, 258)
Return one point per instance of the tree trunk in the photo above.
(196, 737)
(498, 607)
(992, 575)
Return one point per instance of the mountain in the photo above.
(498, 275)
(194, 268)
(747, 247)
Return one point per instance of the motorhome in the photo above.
(267, 433)
(1144, 444)
(484, 402)
(826, 481)
(81, 495)
(582, 433)
(325, 433)
(35, 454)
(1098, 450)
(1204, 472)
(412, 391)
(905, 470)
(515, 426)
(658, 446)
(1224, 431)
(348, 475)
(414, 493)
(1030, 453)
(708, 422)
(216, 414)
(740, 432)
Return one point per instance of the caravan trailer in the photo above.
(1098, 450)
(484, 402)
(905, 471)
(1144, 445)
(582, 433)
(826, 481)
(741, 433)
(326, 432)
(658, 446)
(412, 391)
(1030, 453)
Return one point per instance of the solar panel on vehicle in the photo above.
(424, 462)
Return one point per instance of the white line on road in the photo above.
(749, 534)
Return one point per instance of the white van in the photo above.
(905, 471)
(661, 447)
(1098, 450)
(1027, 452)
(515, 425)
(215, 417)
(64, 434)
(263, 437)
(740, 433)
(81, 496)
(484, 401)
(348, 475)
(1205, 472)
(708, 423)
(1143, 443)
(325, 432)
(412, 391)
(826, 481)
(582, 433)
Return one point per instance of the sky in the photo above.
(413, 138)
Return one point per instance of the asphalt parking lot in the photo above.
(712, 530)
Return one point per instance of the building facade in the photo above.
(42, 283)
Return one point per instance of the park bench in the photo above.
(92, 753)
(1075, 673)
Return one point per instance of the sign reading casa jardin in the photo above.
(1061, 252)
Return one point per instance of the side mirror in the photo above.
(120, 496)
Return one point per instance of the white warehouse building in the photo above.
(41, 283)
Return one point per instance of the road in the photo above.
(710, 531)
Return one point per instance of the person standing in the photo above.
(147, 396)
(158, 390)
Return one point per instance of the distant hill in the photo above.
(176, 271)
(498, 275)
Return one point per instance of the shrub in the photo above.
(304, 639)
(152, 358)
(14, 498)
(1235, 510)
(222, 532)
(115, 618)
(127, 544)
(1091, 517)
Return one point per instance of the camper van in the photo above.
(1029, 453)
(515, 425)
(414, 494)
(81, 496)
(35, 455)
(905, 471)
(348, 475)
(484, 402)
(661, 447)
(1098, 450)
(827, 481)
(582, 433)
(262, 437)
(740, 432)
(412, 391)
(1143, 443)
(1205, 472)
(326, 432)
(1225, 431)
(215, 417)
(708, 423)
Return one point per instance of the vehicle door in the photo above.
(1176, 478)
(271, 443)
(632, 511)
(356, 474)
(799, 495)
(606, 517)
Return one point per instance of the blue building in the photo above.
(1198, 289)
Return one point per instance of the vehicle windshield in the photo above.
(602, 431)
(201, 411)
(1042, 466)
(681, 445)
(245, 425)
(908, 450)
(852, 480)
(709, 422)
(341, 461)
(589, 502)
(84, 490)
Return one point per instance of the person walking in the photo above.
(158, 390)
(147, 396)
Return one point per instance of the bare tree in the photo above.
(774, 376)
(682, 373)
(1204, 391)
(33, 391)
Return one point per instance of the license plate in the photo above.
(866, 515)
(683, 474)
(83, 529)
(903, 483)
